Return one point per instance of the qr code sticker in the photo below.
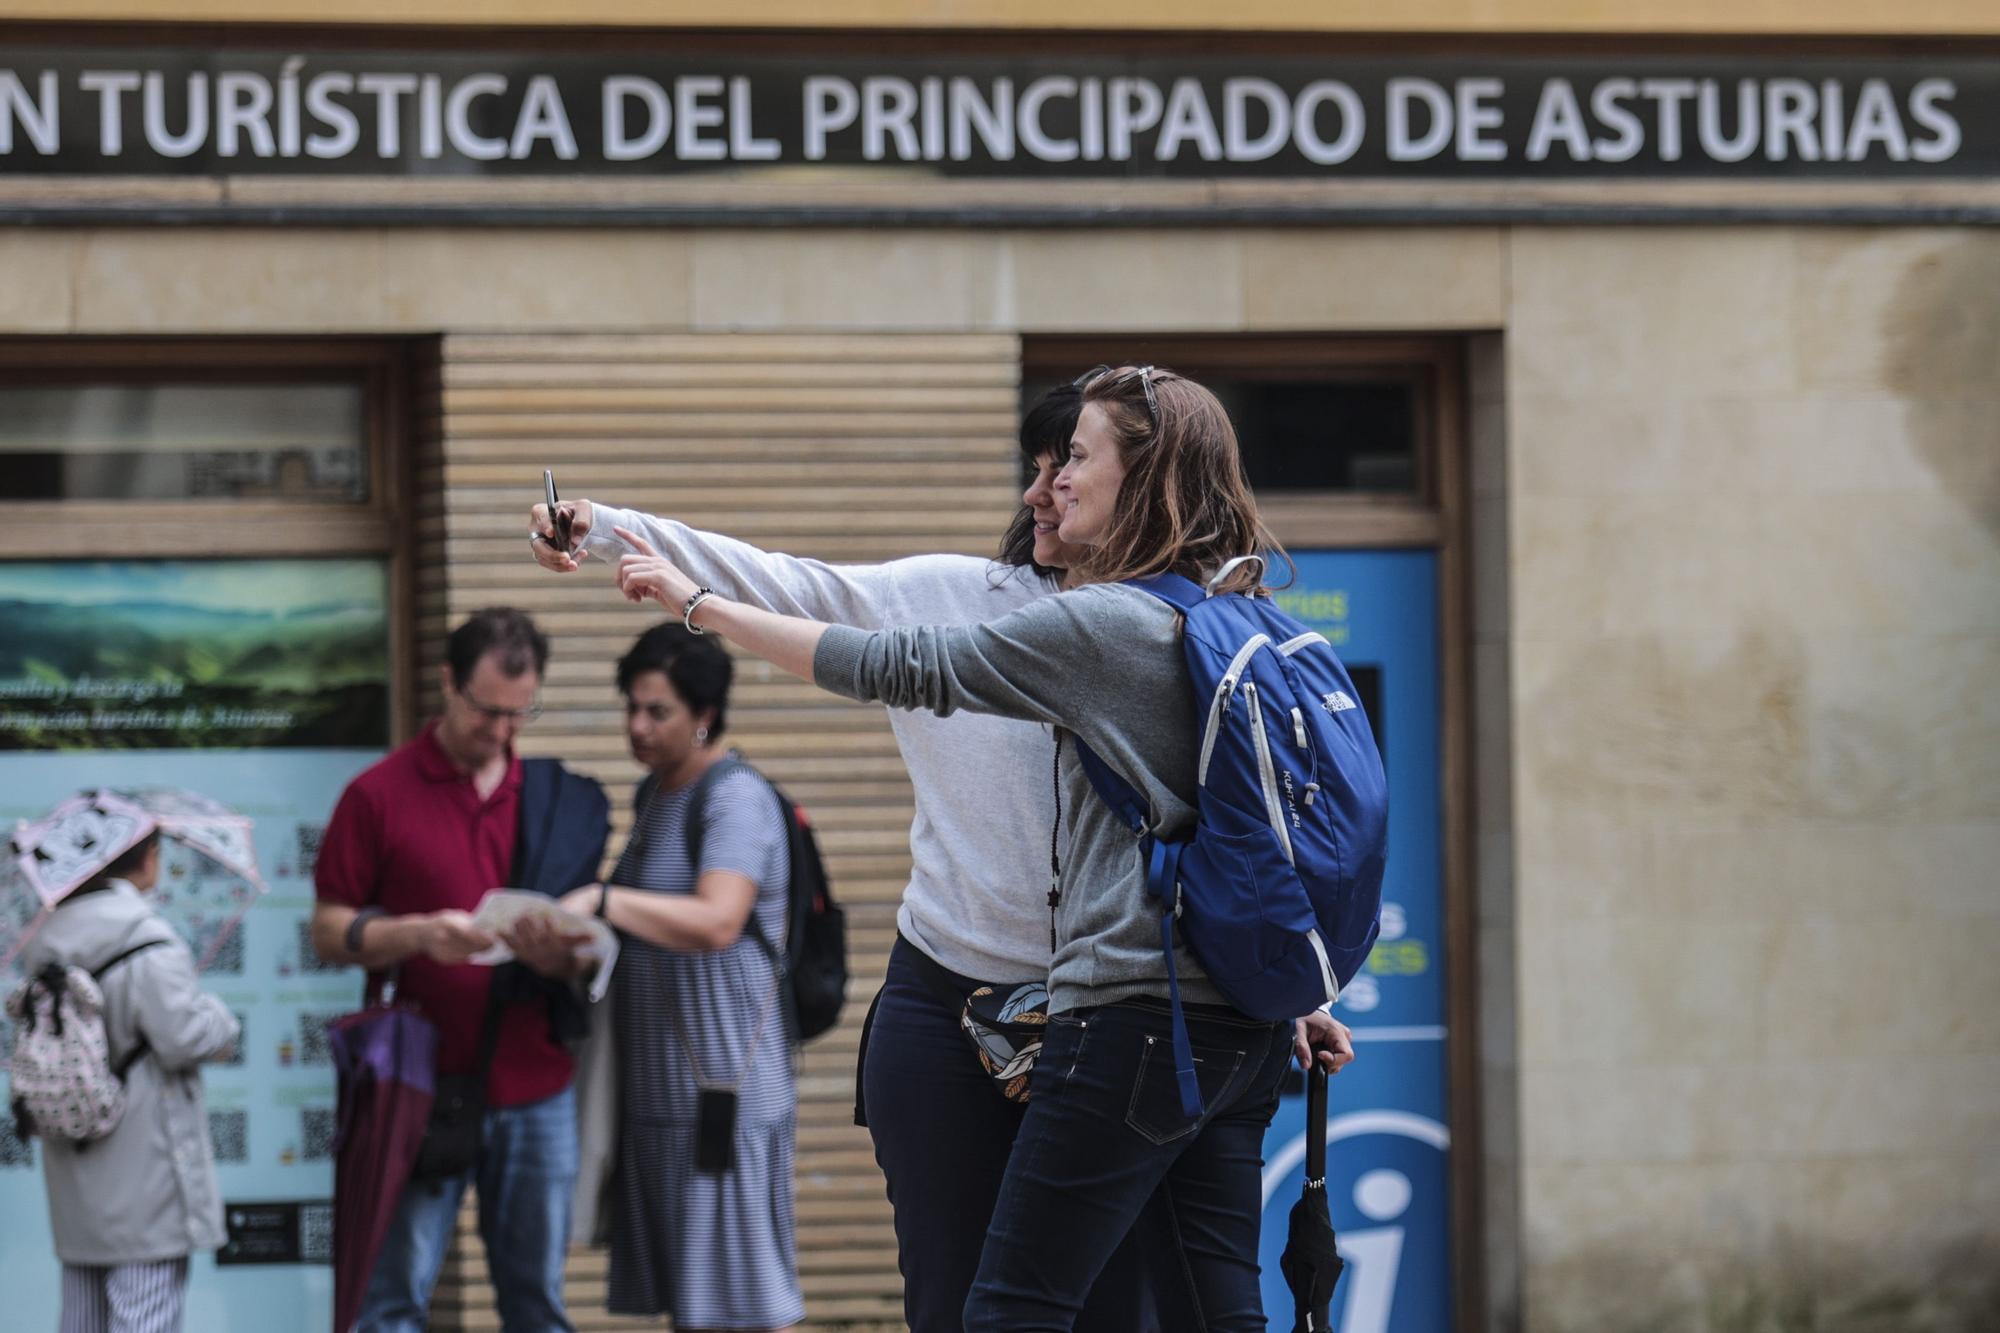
(13, 1152)
(316, 1132)
(229, 1133)
(309, 840)
(316, 1233)
(309, 959)
(313, 1048)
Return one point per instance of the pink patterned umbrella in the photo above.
(48, 859)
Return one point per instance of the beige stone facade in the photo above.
(1736, 535)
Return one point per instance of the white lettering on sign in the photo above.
(110, 87)
(620, 143)
(36, 115)
(296, 108)
(542, 117)
(1405, 96)
(831, 105)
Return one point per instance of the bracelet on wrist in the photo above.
(356, 927)
(699, 596)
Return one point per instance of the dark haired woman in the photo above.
(1154, 483)
(702, 1225)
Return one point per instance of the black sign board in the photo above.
(288, 1232)
(165, 112)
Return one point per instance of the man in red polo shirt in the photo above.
(414, 844)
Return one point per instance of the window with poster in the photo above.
(201, 590)
(1354, 446)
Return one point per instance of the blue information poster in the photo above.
(262, 685)
(1388, 1146)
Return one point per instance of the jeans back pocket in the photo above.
(1155, 1109)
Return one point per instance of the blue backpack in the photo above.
(1279, 887)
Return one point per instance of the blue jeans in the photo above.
(526, 1177)
(942, 1135)
(1103, 1135)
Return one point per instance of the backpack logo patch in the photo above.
(1338, 702)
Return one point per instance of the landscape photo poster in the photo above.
(174, 655)
(262, 685)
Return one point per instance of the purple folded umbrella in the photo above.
(386, 1059)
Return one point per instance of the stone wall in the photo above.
(1754, 488)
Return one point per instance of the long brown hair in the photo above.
(1185, 506)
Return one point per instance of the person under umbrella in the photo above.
(53, 857)
(131, 1201)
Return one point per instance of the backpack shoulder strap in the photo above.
(697, 803)
(1113, 790)
(698, 808)
(97, 973)
(124, 1064)
(1182, 594)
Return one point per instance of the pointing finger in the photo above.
(635, 541)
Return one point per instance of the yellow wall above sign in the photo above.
(1704, 17)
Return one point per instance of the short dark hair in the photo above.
(127, 861)
(694, 664)
(497, 629)
(1046, 428)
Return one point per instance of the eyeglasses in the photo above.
(1143, 374)
(517, 716)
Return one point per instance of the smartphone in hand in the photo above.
(558, 518)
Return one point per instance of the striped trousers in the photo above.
(124, 1298)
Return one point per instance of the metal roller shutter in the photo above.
(849, 448)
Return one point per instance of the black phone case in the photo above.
(715, 1130)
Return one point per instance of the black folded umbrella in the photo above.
(1311, 1261)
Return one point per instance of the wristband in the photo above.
(699, 596)
(361, 918)
(604, 903)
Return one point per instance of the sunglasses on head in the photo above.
(1143, 374)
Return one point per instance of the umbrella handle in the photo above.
(1316, 1127)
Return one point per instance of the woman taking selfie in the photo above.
(1154, 483)
(973, 920)
(701, 1218)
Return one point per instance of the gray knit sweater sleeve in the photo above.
(1104, 663)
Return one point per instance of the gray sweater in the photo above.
(1105, 663)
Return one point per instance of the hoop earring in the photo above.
(701, 735)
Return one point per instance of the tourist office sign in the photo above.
(155, 112)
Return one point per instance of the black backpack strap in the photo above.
(794, 910)
(97, 973)
(130, 1058)
(124, 1063)
(696, 820)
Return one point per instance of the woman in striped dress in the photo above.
(702, 1221)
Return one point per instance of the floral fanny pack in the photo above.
(1003, 1022)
